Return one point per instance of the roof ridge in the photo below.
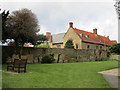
(82, 30)
(89, 32)
(58, 33)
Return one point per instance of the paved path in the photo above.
(112, 77)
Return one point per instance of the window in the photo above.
(76, 46)
(81, 35)
(88, 46)
(87, 36)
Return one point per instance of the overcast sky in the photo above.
(54, 16)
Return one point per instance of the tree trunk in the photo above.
(16, 45)
(21, 50)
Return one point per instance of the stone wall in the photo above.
(93, 46)
(34, 55)
(117, 57)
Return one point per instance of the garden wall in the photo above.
(117, 57)
(34, 55)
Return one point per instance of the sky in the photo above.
(54, 16)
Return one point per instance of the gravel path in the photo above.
(112, 77)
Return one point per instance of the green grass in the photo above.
(60, 75)
(43, 46)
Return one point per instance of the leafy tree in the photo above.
(41, 39)
(4, 27)
(115, 48)
(22, 27)
(69, 44)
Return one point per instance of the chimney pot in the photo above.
(71, 24)
(95, 31)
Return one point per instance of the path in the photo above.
(112, 77)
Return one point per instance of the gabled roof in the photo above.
(94, 38)
(58, 38)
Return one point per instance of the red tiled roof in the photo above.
(94, 38)
(114, 41)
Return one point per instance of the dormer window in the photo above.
(87, 36)
(81, 35)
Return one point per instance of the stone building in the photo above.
(81, 39)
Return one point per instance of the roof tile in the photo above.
(94, 38)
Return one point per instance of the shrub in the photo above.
(69, 44)
(43, 46)
(115, 48)
(7, 52)
(47, 59)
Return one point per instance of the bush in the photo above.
(7, 51)
(48, 59)
(115, 48)
(43, 46)
(69, 44)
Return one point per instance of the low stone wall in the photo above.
(34, 55)
(117, 57)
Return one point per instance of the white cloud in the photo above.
(55, 17)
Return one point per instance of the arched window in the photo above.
(76, 46)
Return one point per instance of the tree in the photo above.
(4, 27)
(41, 39)
(22, 27)
(69, 44)
(115, 48)
(117, 7)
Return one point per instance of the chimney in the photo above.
(50, 39)
(71, 24)
(95, 31)
(108, 37)
(48, 34)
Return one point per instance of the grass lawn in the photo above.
(60, 75)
